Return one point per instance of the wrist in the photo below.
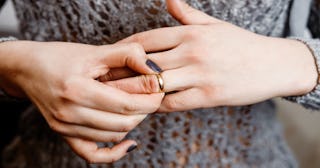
(300, 71)
(310, 72)
(7, 57)
(10, 68)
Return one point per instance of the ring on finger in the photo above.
(161, 82)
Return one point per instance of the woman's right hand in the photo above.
(60, 79)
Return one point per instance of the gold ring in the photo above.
(161, 82)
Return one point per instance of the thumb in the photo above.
(187, 15)
(144, 84)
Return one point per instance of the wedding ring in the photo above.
(161, 82)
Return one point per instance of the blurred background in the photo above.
(8, 21)
(301, 127)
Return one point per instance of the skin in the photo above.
(59, 78)
(207, 62)
(210, 63)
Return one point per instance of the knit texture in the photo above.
(10, 38)
(237, 137)
(103, 22)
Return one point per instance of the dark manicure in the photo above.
(131, 148)
(153, 66)
(173, 92)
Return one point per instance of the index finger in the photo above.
(93, 94)
(158, 39)
(131, 55)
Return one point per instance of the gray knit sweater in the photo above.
(236, 137)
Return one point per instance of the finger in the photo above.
(117, 73)
(187, 15)
(91, 153)
(157, 39)
(174, 80)
(168, 60)
(130, 55)
(96, 95)
(87, 133)
(101, 120)
(182, 101)
(180, 79)
(143, 84)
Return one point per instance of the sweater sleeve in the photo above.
(311, 100)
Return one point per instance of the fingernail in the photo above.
(153, 66)
(131, 148)
(173, 92)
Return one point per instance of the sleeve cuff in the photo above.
(10, 38)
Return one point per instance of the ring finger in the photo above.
(179, 79)
(89, 133)
(101, 120)
(168, 60)
(173, 80)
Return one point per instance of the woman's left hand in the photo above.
(212, 63)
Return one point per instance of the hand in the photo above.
(60, 80)
(214, 63)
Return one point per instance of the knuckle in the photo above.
(173, 104)
(56, 127)
(214, 94)
(194, 56)
(150, 84)
(192, 33)
(117, 138)
(129, 107)
(69, 90)
(137, 49)
(129, 125)
(62, 115)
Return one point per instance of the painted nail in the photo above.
(173, 92)
(153, 66)
(131, 148)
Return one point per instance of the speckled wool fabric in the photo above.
(237, 137)
(101, 22)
